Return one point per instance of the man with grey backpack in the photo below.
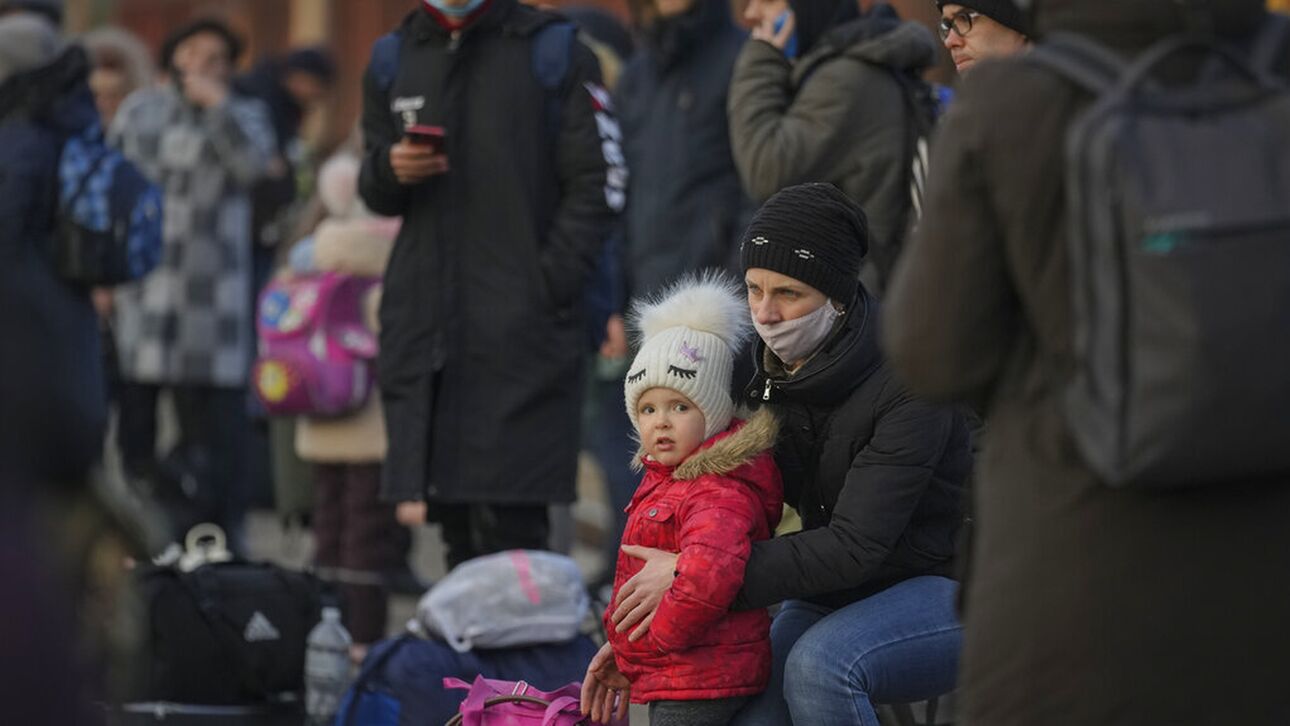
(1103, 266)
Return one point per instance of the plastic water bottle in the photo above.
(326, 668)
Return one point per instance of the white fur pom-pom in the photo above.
(338, 185)
(712, 302)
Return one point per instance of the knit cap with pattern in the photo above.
(813, 233)
(689, 335)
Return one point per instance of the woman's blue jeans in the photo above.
(830, 666)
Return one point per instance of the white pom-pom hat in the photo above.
(689, 335)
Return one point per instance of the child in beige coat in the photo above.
(356, 533)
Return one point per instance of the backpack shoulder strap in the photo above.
(1085, 62)
(384, 64)
(552, 58)
(553, 53)
(1270, 45)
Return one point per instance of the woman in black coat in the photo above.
(876, 475)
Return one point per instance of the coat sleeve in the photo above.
(378, 186)
(779, 139)
(137, 135)
(716, 537)
(951, 307)
(885, 484)
(242, 135)
(592, 176)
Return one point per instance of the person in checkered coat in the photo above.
(187, 327)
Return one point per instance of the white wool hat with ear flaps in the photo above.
(689, 335)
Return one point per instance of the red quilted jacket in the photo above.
(710, 509)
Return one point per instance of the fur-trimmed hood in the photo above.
(725, 452)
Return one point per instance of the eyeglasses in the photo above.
(960, 22)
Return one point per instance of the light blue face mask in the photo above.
(456, 11)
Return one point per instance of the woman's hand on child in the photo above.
(639, 597)
(604, 684)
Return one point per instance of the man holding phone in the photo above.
(507, 183)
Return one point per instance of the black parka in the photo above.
(876, 474)
(1086, 604)
(482, 340)
(685, 207)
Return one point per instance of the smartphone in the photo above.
(790, 48)
(422, 135)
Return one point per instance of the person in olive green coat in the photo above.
(1086, 604)
(819, 101)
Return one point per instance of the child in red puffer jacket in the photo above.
(710, 490)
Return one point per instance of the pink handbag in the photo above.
(512, 703)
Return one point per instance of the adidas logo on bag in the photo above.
(258, 629)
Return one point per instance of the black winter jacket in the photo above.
(53, 405)
(482, 342)
(876, 474)
(685, 206)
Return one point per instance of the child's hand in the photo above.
(639, 597)
(602, 685)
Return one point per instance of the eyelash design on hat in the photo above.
(636, 376)
(682, 372)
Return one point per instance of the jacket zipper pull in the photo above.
(765, 395)
(454, 41)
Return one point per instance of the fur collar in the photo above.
(728, 452)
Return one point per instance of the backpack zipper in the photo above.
(765, 395)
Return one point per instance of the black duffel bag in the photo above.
(224, 633)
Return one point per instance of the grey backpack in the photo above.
(1179, 205)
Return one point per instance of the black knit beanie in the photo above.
(813, 233)
(1004, 12)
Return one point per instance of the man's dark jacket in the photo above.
(53, 405)
(685, 207)
(1086, 604)
(482, 340)
(876, 474)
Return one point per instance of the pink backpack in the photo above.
(516, 703)
(316, 355)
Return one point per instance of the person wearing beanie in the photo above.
(975, 30)
(710, 490)
(26, 43)
(826, 91)
(876, 474)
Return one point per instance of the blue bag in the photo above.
(109, 229)
(401, 682)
